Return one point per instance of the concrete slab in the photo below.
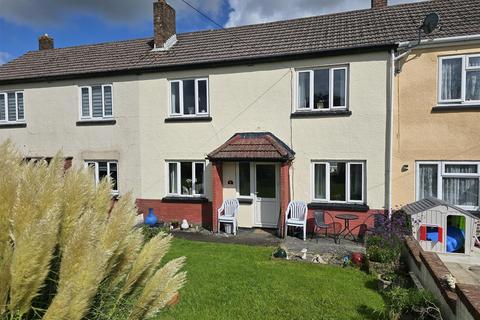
(252, 237)
(466, 269)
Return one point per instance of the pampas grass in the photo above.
(65, 253)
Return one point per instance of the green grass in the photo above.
(242, 282)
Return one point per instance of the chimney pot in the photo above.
(45, 42)
(376, 4)
(164, 23)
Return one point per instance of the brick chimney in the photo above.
(45, 42)
(164, 25)
(377, 4)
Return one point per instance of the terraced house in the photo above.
(298, 109)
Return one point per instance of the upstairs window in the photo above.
(103, 169)
(322, 89)
(186, 178)
(96, 102)
(189, 97)
(459, 81)
(11, 107)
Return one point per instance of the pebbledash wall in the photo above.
(241, 99)
(420, 132)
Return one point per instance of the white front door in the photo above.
(266, 195)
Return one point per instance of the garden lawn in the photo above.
(243, 282)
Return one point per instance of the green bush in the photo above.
(380, 251)
(418, 304)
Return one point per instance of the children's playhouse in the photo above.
(441, 227)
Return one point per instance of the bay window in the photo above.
(459, 79)
(103, 169)
(454, 182)
(189, 97)
(96, 102)
(185, 178)
(339, 181)
(12, 107)
(322, 89)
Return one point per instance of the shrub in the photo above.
(418, 304)
(65, 253)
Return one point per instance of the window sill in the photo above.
(352, 207)
(179, 199)
(13, 125)
(103, 122)
(320, 114)
(456, 108)
(189, 119)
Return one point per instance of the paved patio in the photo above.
(251, 237)
(466, 269)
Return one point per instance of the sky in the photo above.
(77, 22)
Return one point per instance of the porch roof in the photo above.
(259, 146)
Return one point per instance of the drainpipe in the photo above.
(389, 149)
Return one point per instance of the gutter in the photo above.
(438, 41)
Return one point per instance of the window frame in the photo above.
(97, 173)
(5, 95)
(348, 164)
(90, 116)
(179, 178)
(441, 173)
(331, 88)
(182, 114)
(237, 184)
(465, 68)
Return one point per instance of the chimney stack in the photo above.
(378, 4)
(164, 25)
(45, 42)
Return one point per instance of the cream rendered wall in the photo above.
(420, 134)
(245, 216)
(51, 113)
(260, 98)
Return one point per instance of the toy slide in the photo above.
(455, 239)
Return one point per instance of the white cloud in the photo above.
(4, 57)
(258, 11)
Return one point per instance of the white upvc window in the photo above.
(102, 169)
(185, 178)
(322, 89)
(12, 108)
(459, 80)
(456, 182)
(189, 97)
(338, 181)
(96, 102)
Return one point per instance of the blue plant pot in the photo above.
(151, 218)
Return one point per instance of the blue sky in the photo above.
(76, 22)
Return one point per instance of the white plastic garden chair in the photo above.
(296, 216)
(227, 213)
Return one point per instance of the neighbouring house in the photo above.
(436, 115)
(266, 113)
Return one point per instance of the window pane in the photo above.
(199, 168)
(3, 103)
(12, 107)
(175, 97)
(473, 85)
(97, 104)
(451, 79)
(172, 177)
(266, 182)
(202, 96)
(461, 168)
(356, 182)
(85, 103)
(21, 115)
(186, 177)
(428, 181)
(92, 167)
(321, 94)
(244, 178)
(339, 85)
(474, 62)
(114, 175)
(337, 181)
(107, 97)
(320, 181)
(102, 170)
(461, 191)
(189, 96)
(303, 90)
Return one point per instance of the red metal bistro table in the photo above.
(347, 218)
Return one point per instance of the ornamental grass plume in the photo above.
(65, 253)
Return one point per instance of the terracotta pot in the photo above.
(174, 301)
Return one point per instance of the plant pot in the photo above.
(175, 225)
(174, 301)
(383, 284)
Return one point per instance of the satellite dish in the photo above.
(430, 23)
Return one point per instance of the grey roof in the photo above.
(332, 33)
(430, 203)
